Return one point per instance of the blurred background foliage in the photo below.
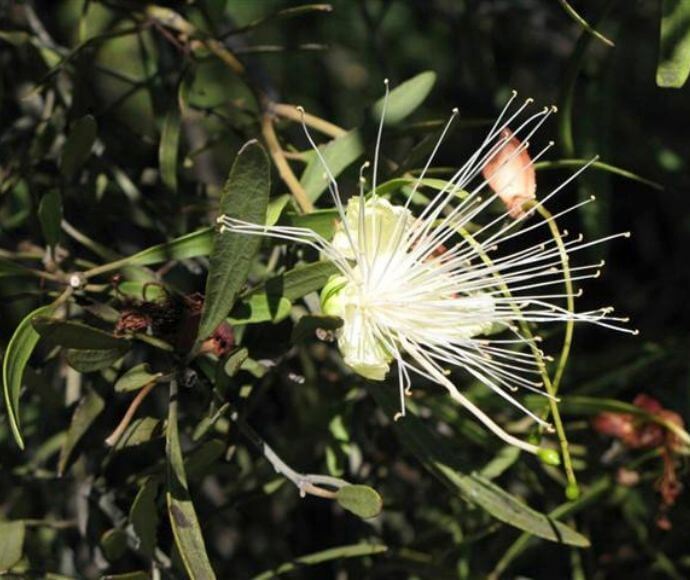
(119, 124)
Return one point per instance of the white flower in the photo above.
(425, 294)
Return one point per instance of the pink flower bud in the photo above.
(510, 173)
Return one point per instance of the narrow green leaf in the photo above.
(404, 99)
(169, 148)
(322, 221)
(71, 334)
(361, 500)
(11, 544)
(338, 154)
(78, 145)
(142, 430)
(297, 282)
(143, 515)
(50, 216)
(674, 44)
(135, 378)
(503, 460)
(183, 519)
(142, 290)
(245, 196)
(308, 325)
(192, 245)
(89, 360)
(440, 459)
(275, 208)
(260, 308)
(86, 412)
(566, 163)
(234, 361)
(17, 355)
(510, 510)
(351, 551)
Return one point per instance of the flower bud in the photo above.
(510, 173)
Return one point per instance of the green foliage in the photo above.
(674, 44)
(165, 385)
(245, 197)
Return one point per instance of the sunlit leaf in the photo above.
(260, 308)
(674, 44)
(338, 154)
(11, 544)
(361, 500)
(16, 357)
(404, 99)
(135, 378)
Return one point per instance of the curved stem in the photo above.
(286, 173)
(290, 112)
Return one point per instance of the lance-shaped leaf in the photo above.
(135, 378)
(352, 551)
(169, 147)
(183, 519)
(11, 544)
(436, 455)
(88, 409)
(78, 145)
(18, 351)
(674, 44)
(405, 98)
(245, 197)
(198, 243)
(143, 515)
(338, 154)
(50, 216)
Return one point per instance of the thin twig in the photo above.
(114, 437)
(290, 112)
(306, 483)
(284, 169)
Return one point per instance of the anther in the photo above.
(385, 82)
(554, 109)
(455, 111)
(398, 416)
(529, 101)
